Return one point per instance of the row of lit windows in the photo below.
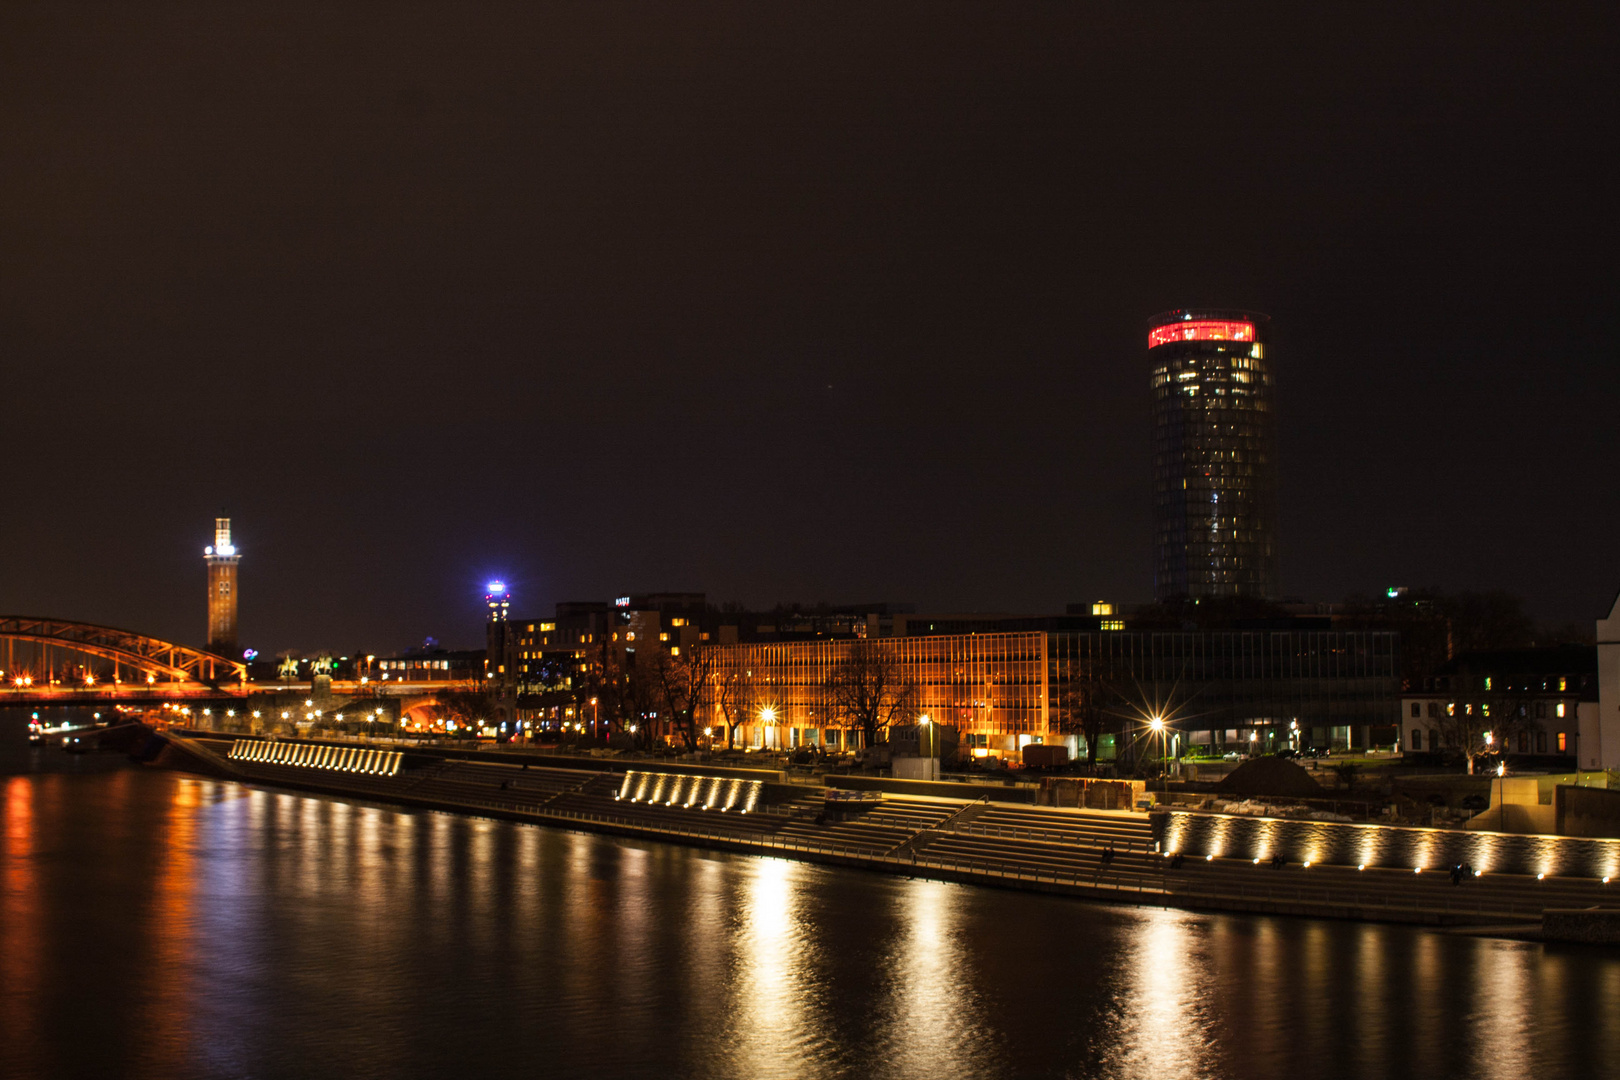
(1525, 740)
(1484, 709)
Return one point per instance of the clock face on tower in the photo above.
(224, 588)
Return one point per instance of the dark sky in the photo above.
(818, 302)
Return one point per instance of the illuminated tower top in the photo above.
(222, 539)
(499, 599)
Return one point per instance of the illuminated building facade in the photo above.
(1243, 690)
(992, 688)
(1247, 690)
(223, 594)
(1214, 456)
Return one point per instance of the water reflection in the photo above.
(1502, 1014)
(768, 1029)
(933, 1026)
(1164, 1031)
(21, 935)
(219, 931)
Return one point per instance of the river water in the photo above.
(158, 925)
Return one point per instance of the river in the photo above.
(154, 924)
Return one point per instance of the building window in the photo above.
(1417, 738)
(1434, 710)
(1563, 742)
(1541, 742)
(1417, 709)
(1560, 710)
(1541, 710)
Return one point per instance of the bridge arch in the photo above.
(124, 649)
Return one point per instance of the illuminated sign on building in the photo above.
(1201, 330)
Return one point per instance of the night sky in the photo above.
(785, 302)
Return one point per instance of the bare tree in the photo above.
(1080, 699)
(869, 688)
(735, 697)
(682, 681)
(626, 692)
(468, 704)
(1500, 714)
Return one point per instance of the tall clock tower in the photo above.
(222, 559)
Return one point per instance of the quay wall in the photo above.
(1397, 847)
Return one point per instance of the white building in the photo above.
(1607, 734)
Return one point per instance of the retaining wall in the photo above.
(1355, 844)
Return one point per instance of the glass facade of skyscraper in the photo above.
(1214, 455)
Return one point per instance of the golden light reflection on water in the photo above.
(20, 911)
(171, 932)
(289, 928)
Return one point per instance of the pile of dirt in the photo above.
(1270, 776)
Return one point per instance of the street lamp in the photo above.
(1501, 796)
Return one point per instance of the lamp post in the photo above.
(1156, 728)
(927, 726)
(1501, 796)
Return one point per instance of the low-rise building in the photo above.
(1249, 690)
(1536, 706)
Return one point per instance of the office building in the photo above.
(1214, 456)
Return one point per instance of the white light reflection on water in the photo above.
(768, 1025)
(933, 1027)
(1501, 1021)
(1164, 1031)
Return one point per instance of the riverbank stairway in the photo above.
(1106, 850)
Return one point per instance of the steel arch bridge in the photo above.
(124, 649)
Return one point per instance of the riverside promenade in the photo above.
(1109, 856)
